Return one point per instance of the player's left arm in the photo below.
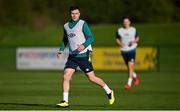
(89, 37)
(136, 38)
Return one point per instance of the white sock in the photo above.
(134, 75)
(107, 89)
(129, 81)
(65, 96)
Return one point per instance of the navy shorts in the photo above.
(83, 62)
(129, 56)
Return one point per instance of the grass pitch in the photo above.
(32, 90)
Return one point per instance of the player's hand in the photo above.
(131, 43)
(59, 54)
(80, 48)
(121, 46)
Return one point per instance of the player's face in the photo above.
(126, 23)
(75, 14)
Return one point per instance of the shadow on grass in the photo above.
(51, 106)
(25, 104)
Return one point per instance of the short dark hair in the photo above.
(126, 17)
(73, 8)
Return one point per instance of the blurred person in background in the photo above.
(127, 39)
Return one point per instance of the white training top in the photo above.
(76, 37)
(126, 36)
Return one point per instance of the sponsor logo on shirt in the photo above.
(126, 34)
(71, 35)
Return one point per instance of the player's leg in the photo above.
(86, 67)
(125, 56)
(66, 82)
(132, 74)
(94, 79)
(130, 62)
(130, 68)
(132, 71)
(91, 76)
(68, 72)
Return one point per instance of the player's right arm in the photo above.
(118, 41)
(63, 44)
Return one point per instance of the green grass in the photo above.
(151, 34)
(42, 90)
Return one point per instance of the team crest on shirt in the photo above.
(71, 35)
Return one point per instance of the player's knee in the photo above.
(130, 66)
(66, 77)
(92, 78)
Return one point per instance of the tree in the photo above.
(149, 10)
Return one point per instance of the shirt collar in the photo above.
(72, 21)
